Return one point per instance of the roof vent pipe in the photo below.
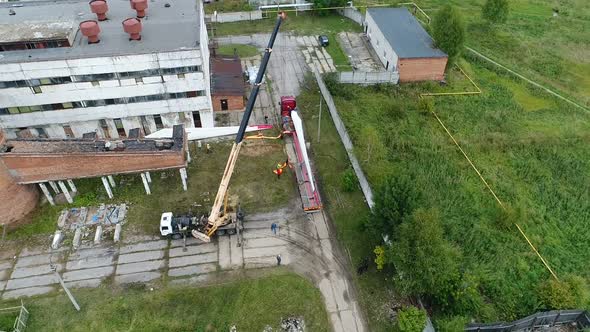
(133, 27)
(91, 30)
(140, 6)
(100, 8)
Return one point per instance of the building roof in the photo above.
(404, 33)
(164, 28)
(227, 77)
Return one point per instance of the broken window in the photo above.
(120, 128)
(197, 119)
(105, 128)
(158, 121)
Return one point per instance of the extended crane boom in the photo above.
(215, 220)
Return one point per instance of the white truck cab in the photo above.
(166, 224)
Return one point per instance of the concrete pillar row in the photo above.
(183, 177)
(64, 189)
(47, 193)
(112, 181)
(105, 182)
(148, 177)
(72, 186)
(146, 184)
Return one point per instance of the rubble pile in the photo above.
(293, 324)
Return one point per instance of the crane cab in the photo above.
(288, 104)
(166, 224)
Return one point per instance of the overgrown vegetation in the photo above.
(227, 6)
(243, 51)
(250, 305)
(448, 31)
(252, 185)
(495, 11)
(410, 319)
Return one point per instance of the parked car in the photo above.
(323, 40)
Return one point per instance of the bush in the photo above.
(569, 293)
(410, 319)
(451, 324)
(327, 4)
(349, 182)
(380, 259)
(495, 11)
(448, 30)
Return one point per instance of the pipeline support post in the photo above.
(183, 177)
(72, 186)
(112, 181)
(64, 189)
(47, 193)
(105, 182)
(146, 185)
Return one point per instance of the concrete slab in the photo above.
(137, 277)
(237, 253)
(328, 293)
(23, 272)
(144, 246)
(224, 252)
(336, 322)
(140, 266)
(191, 260)
(140, 256)
(265, 251)
(40, 250)
(320, 226)
(2, 285)
(189, 242)
(258, 262)
(26, 292)
(192, 270)
(348, 321)
(38, 259)
(88, 283)
(256, 233)
(34, 281)
(193, 250)
(90, 262)
(7, 253)
(97, 272)
(264, 242)
(340, 291)
(4, 265)
(192, 280)
(327, 249)
(92, 252)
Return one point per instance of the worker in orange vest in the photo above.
(279, 170)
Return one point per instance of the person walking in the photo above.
(278, 172)
(279, 260)
(273, 228)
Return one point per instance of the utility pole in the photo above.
(63, 285)
(320, 117)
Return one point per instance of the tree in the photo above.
(449, 31)
(410, 319)
(327, 4)
(428, 265)
(495, 11)
(394, 200)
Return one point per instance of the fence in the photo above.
(20, 323)
(353, 14)
(363, 77)
(236, 16)
(346, 141)
(541, 319)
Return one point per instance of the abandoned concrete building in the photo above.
(403, 45)
(227, 84)
(69, 68)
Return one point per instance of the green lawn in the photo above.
(227, 6)
(244, 51)
(253, 186)
(249, 304)
(303, 24)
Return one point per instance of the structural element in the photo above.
(403, 45)
(105, 182)
(90, 29)
(47, 193)
(54, 187)
(146, 185)
(227, 84)
(183, 177)
(148, 177)
(133, 27)
(72, 186)
(111, 181)
(140, 6)
(64, 189)
(100, 8)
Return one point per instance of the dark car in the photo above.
(323, 40)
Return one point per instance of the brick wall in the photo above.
(422, 69)
(28, 167)
(234, 103)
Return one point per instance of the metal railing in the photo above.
(580, 318)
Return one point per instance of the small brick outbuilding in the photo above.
(403, 45)
(227, 84)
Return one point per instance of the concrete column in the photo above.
(47, 193)
(63, 188)
(105, 182)
(72, 186)
(188, 152)
(183, 177)
(112, 181)
(54, 187)
(145, 184)
(148, 177)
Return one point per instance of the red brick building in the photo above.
(227, 84)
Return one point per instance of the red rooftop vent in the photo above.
(140, 6)
(133, 27)
(100, 8)
(91, 30)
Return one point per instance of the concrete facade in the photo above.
(384, 51)
(112, 92)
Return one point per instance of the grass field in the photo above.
(227, 6)
(244, 51)
(250, 305)
(253, 185)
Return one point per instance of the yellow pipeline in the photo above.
(456, 93)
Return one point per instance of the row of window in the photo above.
(99, 77)
(101, 102)
(41, 132)
(34, 45)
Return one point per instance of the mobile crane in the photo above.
(218, 218)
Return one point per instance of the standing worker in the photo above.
(273, 228)
(279, 260)
(208, 148)
(279, 170)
